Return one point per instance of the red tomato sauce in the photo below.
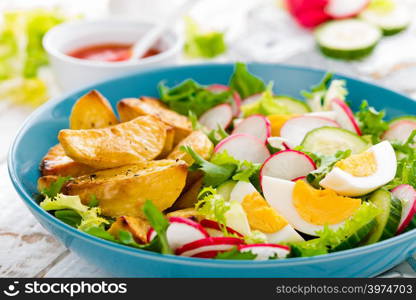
(108, 52)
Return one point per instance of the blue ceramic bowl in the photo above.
(40, 130)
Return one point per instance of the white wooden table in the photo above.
(28, 250)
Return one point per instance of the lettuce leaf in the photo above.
(244, 83)
(235, 254)
(214, 135)
(266, 106)
(213, 206)
(330, 240)
(190, 96)
(55, 187)
(371, 122)
(222, 167)
(200, 44)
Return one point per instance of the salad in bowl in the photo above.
(233, 172)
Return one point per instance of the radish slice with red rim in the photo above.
(236, 100)
(266, 251)
(214, 245)
(295, 129)
(400, 131)
(251, 99)
(278, 142)
(299, 178)
(212, 226)
(181, 231)
(407, 195)
(244, 147)
(255, 125)
(288, 164)
(221, 114)
(345, 116)
(341, 9)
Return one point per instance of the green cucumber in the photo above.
(354, 240)
(329, 140)
(226, 188)
(390, 22)
(388, 220)
(293, 105)
(348, 39)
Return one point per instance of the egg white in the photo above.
(279, 194)
(347, 184)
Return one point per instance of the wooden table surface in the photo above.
(28, 250)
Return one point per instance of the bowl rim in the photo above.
(75, 233)
(52, 50)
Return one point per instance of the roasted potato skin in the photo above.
(169, 143)
(56, 162)
(189, 213)
(199, 142)
(46, 181)
(131, 108)
(138, 227)
(141, 139)
(92, 111)
(122, 191)
(189, 197)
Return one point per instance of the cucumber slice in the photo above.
(347, 39)
(355, 239)
(329, 140)
(388, 220)
(390, 22)
(293, 105)
(226, 188)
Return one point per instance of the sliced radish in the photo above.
(265, 251)
(251, 99)
(295, 129)
(221, 114)
(407, 195)
(345, 116)
(287, 164)
(308, 13)
(244, 147)
(255, 125)
(278, 142)
(285, 235)
(340, 9)
(181, 231)
(325, 114)
(236, 100)
(299, 178)
(400, 131)
(209, 247)
(214, 229)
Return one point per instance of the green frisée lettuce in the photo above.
(349, 235)
(222, 167)
(315, 96)
(213, 206)
(371, 122)
(199, 44)
(191, 96)
(22, 54)
(245, 83)
(266, 105)
(325, 164)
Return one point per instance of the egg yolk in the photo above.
(359, 165)
(261, 216)
(322, 207)
(277, 121)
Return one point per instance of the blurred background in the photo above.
(213, 31)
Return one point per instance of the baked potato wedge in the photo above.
(189, 213)
(131, 108)
(169, 143)
(189, 197)
(139, 140)
(56, 162)
(199, 142)
(138, 227)
(92, 111)
(122, 191)
(46, 181)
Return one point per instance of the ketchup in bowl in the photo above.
(108, 52)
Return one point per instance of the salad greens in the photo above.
(22, 54)
(190, 96)
(202, 44)
(213, 206)
(245, 83)
(371, 122)
(222, 167)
